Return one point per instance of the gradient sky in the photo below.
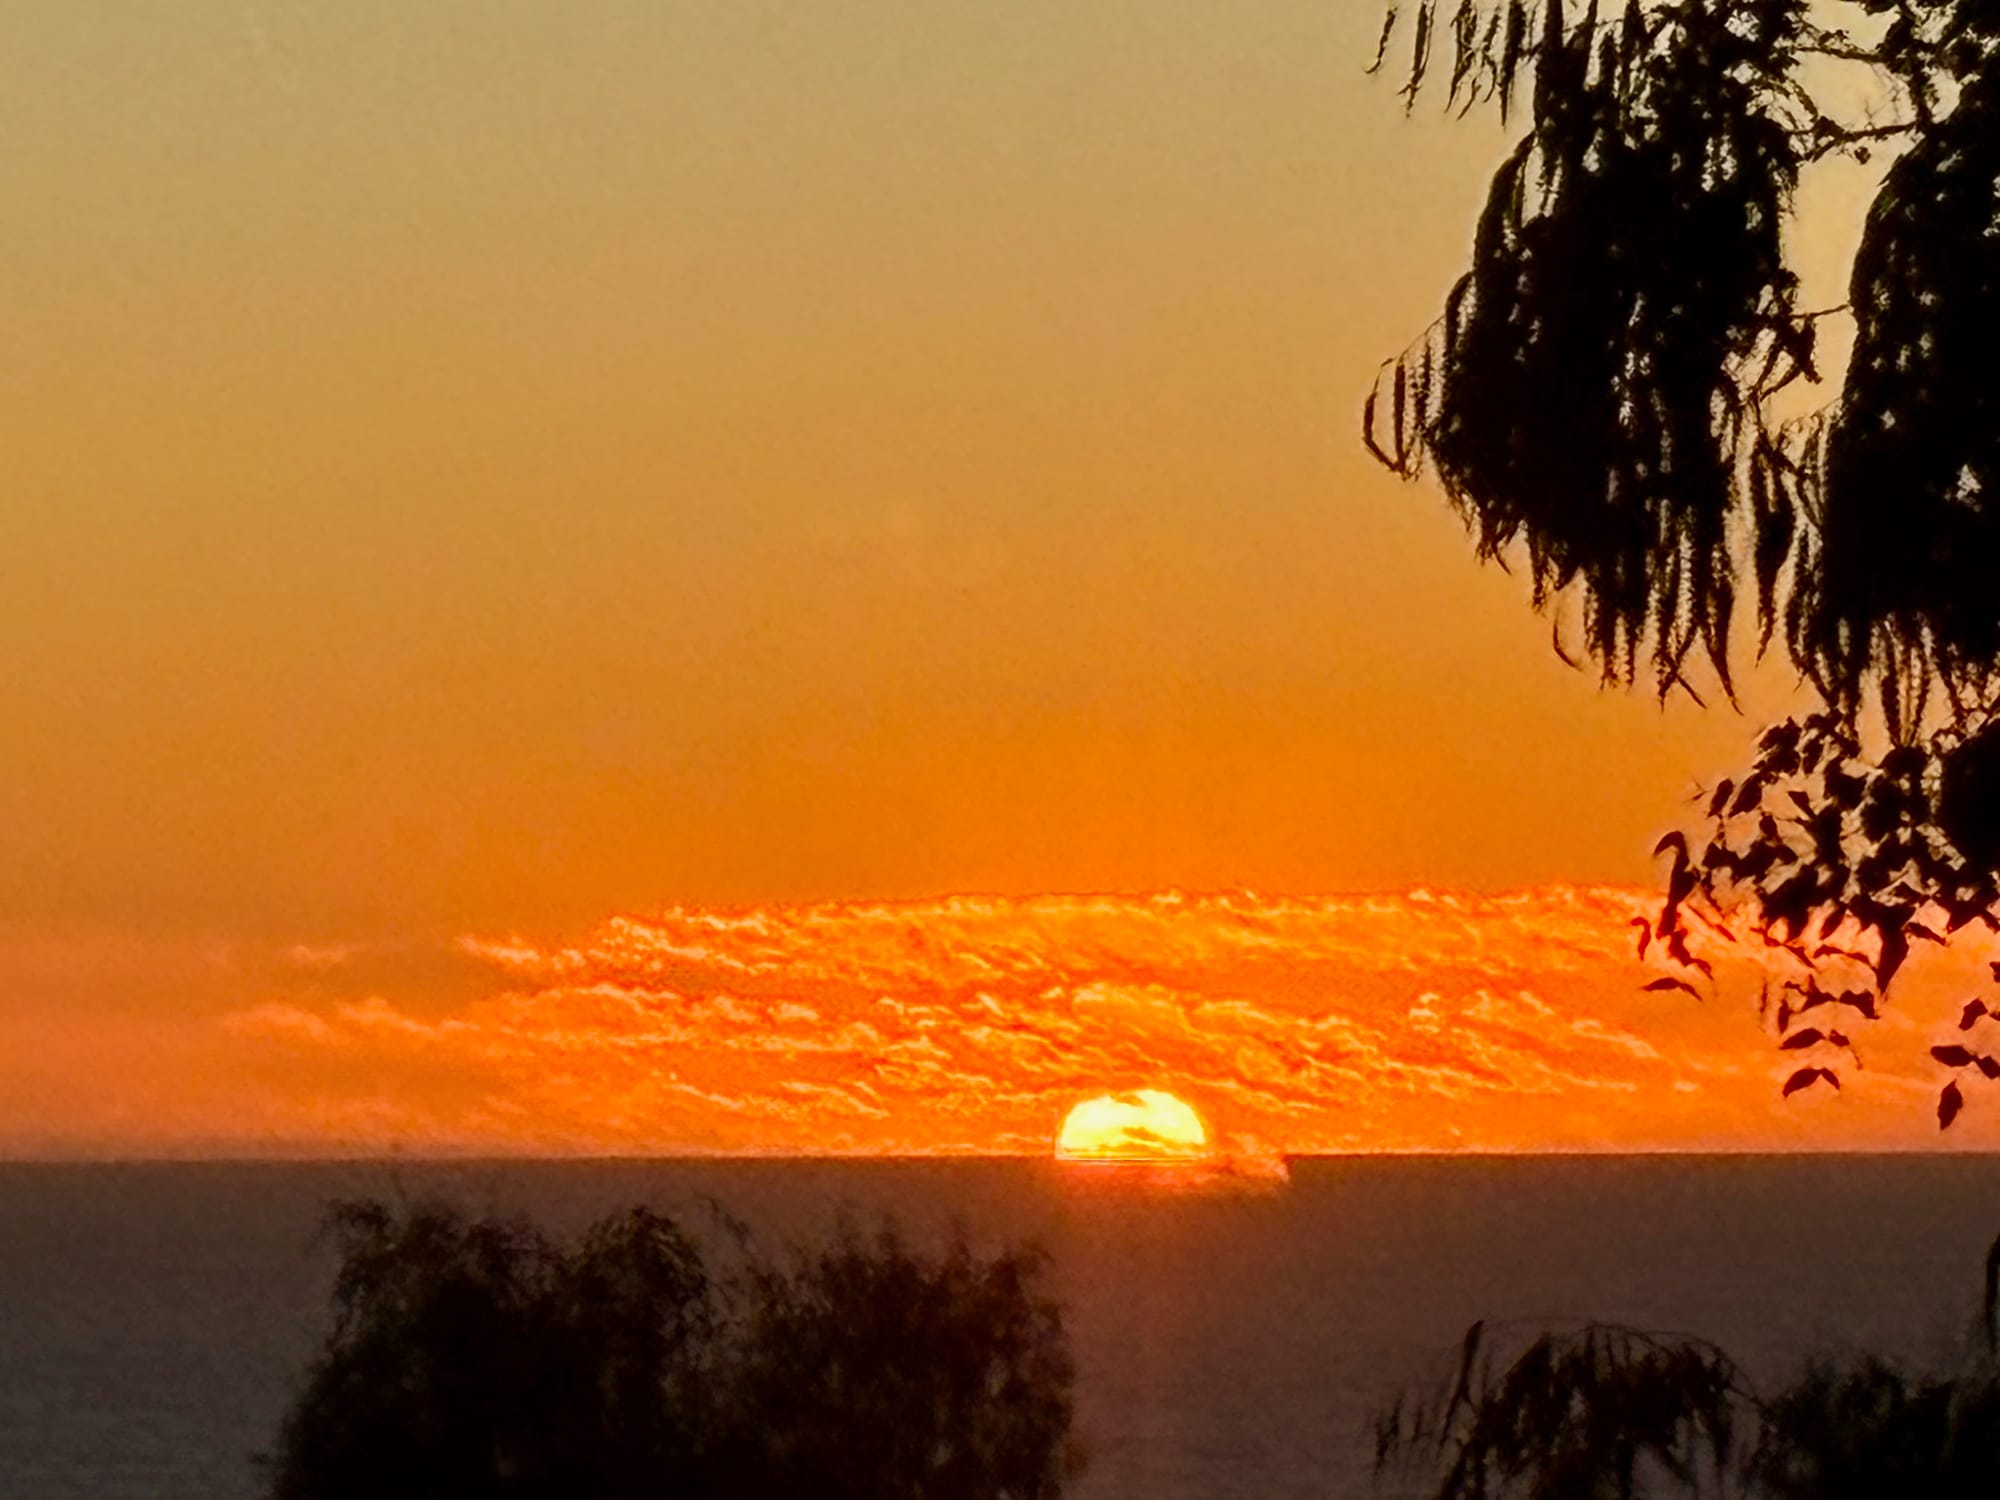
(474, 470)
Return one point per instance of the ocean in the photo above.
(1232, 1338)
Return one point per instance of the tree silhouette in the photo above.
(480, 1359)
(1608, 1413)
(870, 1372)
(1599, 1413)
(1601, 395)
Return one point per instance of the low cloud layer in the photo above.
(970, 1024)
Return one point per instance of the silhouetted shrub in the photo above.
(1870, 1430)
(1603, 1412)
(1608, 1413)
(870, 1372)
(478, 1358)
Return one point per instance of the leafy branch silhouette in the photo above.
(1600, 397)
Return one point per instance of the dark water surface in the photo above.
(1231, 1341)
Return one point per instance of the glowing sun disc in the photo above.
(1145, 1125)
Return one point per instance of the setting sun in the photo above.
(1146, 1125)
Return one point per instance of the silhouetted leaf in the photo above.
(1895, 948)
(1667, 982)
(1859, 1000)
(1680, 953)
(1804, 1078)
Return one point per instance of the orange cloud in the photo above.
(971, 1024)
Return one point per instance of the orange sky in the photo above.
(474, 470)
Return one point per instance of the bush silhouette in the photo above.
(1606, 1413)
(870, 1372)
(1868, 1430)
(480, 1359)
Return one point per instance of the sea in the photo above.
(1234, 1337)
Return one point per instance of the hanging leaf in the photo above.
(1805, 1078)
(1950, 1102)
(1669, 983)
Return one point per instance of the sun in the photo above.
(1145, 1125)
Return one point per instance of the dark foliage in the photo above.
(1590, 390)
(1870, 1430)
(1848, 862)
(1602, 1412)
(480, 1359)
(896, 1377)
(1598, 386)
(1613, 1414)
(1598, 396)
(1898, 573)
